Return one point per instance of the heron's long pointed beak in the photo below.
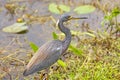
(73, 18)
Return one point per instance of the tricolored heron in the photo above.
(51, 51)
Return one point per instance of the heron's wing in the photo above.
(45, 56)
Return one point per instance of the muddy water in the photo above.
(39, 33)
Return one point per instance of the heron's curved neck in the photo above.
(67, 33)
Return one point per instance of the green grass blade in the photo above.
(33, 46)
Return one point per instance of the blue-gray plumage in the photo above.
(51, 51)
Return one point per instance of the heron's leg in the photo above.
(45, 74)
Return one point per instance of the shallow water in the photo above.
(40, 33)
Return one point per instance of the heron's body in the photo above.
(51, 51)
(44, 56)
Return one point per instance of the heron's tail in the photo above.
(25, 73)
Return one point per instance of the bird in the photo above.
(51, 51)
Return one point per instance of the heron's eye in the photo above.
(69, 17)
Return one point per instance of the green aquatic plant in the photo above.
(33, 46)
(55, 36)
(111, 19)
(58, 9)
(61, 8)
(75, 50)
(16, 28)
(84, 9)
(61, 63)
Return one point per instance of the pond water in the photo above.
(40, 33)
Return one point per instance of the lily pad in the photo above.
(16, 28)
(58, 9)
(84, 9)
(64, 8)
(53, 8)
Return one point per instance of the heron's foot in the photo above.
(44, 76)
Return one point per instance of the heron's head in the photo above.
(66, 17)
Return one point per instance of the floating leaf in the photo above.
(33, 46)
(53, 8)
(55, 36)
(75, 50)
(16, 28)
(61, 63)
(58, 9)
(84, 9)
(64, 8)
